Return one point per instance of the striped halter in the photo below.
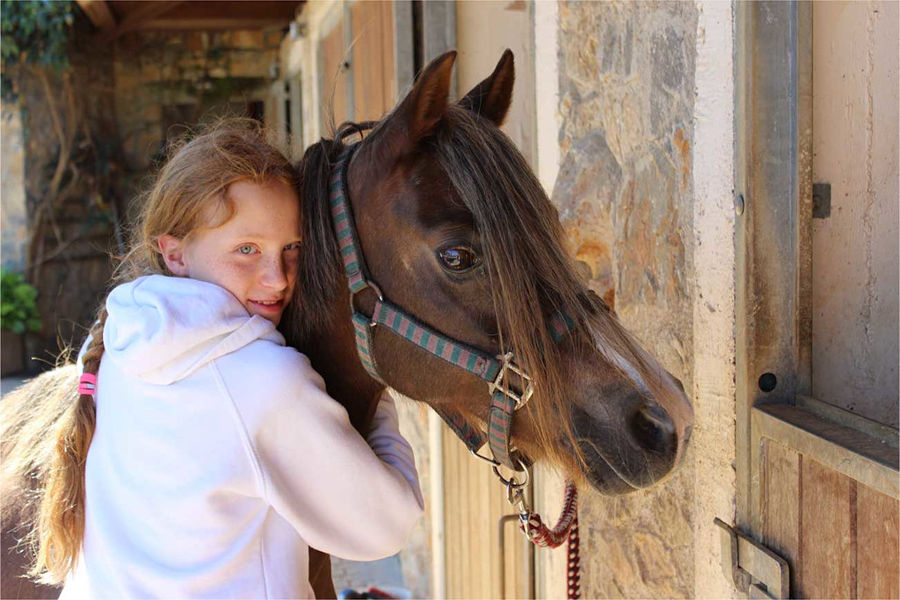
(499, 372)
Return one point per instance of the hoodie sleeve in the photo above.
(392, 448)
(344, 496)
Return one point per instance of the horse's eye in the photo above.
(459, 258)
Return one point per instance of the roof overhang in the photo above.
(115, 17)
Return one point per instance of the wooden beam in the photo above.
(177, 24)
(99, 13)
(146, 12)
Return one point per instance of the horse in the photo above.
(451, 234)
(454, 227)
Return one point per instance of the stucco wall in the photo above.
(855, 250)
(713, 296)
(626, 192)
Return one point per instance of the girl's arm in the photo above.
(390, 446)
(344, 496)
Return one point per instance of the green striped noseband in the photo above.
(499, 372)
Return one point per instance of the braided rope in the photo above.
(566, 529)
(573, 564)
(543, 536)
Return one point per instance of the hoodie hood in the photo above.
(161, 329)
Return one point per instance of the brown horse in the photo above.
(458, 232)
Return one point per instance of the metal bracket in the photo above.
(754, 569)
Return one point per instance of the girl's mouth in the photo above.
(268, 306)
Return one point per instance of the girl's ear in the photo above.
(172, 250)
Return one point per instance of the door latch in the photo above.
(754, 569)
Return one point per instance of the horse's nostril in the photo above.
(653, 429)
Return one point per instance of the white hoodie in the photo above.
(218, 458)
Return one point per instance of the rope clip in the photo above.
(515, 494)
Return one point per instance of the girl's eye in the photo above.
(246, 249)
(459, 258)
(293, 246)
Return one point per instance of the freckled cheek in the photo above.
(240, 277)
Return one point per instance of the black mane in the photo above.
(319, 270)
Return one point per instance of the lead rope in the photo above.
(573, 570)
(566, 529)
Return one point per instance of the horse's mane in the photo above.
(319, 269)
(525, 259)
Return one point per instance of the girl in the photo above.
(216, 458)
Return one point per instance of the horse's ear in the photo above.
(491, 97)
(426, 103)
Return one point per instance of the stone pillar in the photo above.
(13, 218)
(625, 194)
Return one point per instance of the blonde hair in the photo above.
(46, 426)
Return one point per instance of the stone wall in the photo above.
(13, 222)
(164, 79)
(625, 195)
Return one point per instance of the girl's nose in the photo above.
(275, 273)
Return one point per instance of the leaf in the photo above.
(18, 303)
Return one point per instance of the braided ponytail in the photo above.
(60, 518)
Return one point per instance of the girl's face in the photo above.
(254, 254)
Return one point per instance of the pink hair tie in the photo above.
(87, 384)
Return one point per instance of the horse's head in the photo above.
(457, 231)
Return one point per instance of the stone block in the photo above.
(250, 38)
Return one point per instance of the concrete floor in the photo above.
(8, 384)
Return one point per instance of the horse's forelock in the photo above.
(528, 266)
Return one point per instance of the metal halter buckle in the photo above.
(503, 386)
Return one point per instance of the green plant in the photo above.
(18, 303)
(34, 33)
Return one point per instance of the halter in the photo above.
(498, 371)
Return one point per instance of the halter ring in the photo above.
(378, 293)
(511, 483)
(486, 459)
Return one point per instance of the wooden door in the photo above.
(486, 555)
(372, 64)
(357, 63)
(333, 66)
(818, 459)
(365, 58)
